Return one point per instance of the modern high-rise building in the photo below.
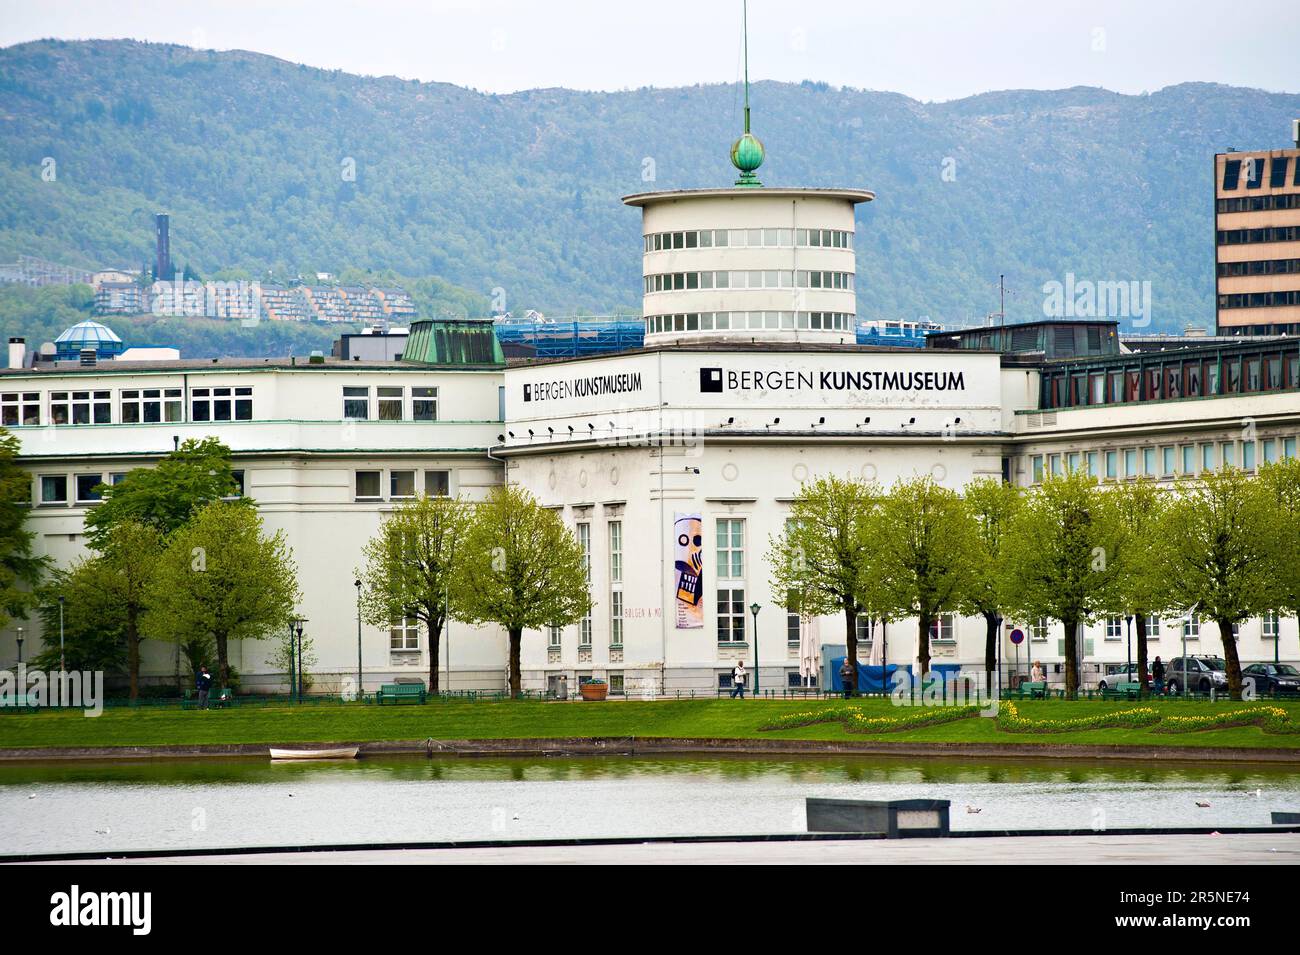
(1257, 240)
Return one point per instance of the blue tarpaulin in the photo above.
(870, 677)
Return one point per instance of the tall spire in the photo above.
(747, 151)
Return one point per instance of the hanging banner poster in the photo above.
(688, 570)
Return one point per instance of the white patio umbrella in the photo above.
(877, 647)
(810, 648)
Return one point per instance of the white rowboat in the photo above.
(338, 752)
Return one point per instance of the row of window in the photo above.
(1290, 200)
(749, 239)
(402, 484)
(751, 278)
(389, 403)
(135, 406)
(1260, 267)
(1164, 461)
(1259, 299)
(1253, 167)
(1156, 377)
(83, 488)
(721, 321)
(1278, 233)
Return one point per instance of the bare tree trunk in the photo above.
(435, 640)
(1071, 658)
(851, 643)
(1141, 625)
(923, 623)
(223, 664)
(133, 656)
(516, 683)
(991, 621)
(1231, 658)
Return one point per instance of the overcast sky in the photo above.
(928, 49)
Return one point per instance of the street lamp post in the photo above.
(20, 645)
(292, 684)
(63, 663)
(298, 629)
(1128, 637)
(360, 695)
(754, 608)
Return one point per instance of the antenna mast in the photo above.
(744, 29)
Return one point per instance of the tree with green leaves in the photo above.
(1281, 480)
(94, 636)
(521, 568)
(1060, 559)
(992, 506)
(20, 568)
(819, 561)
(220, 576)
(925, 543)
(165, 497)
(1140, 590)
(1221, 546)
(410, 565)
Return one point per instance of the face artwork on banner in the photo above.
(688, 570)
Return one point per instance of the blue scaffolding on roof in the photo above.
(572, 339)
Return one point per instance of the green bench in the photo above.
(400, 693)
(1033, 691)
(1122, 691)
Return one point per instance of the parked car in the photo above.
(1273, 679)
(1122, 673)
(1202, 674)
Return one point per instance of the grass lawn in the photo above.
(731, 719)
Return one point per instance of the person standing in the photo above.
(738, 677)
(847, 672)
(203, 682)
(1158, 675)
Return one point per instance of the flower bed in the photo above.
(1271, 719)
(855, 720)
(1010, 720)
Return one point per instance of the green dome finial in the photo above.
(747, 151)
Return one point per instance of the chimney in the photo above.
(162, 248)
(89, 357)
(1295, 132)
(17, 352)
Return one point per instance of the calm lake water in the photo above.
(79, 806)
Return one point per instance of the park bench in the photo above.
(1033, 691)
(1123, 691)
(400, 693)
(217, 699)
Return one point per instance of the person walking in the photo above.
(847, 672)
(1158, 675)
(738, 677)
(203, 682)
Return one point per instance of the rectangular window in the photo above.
(244, 404)
(1192, 628)
(1189, 459)
(1231, 173)
(731, 549)
(1207, 457)
(54, 489)
(616, 583)
(368, 485)
(1094, 464)
(356, 404)
(731, 615)
(1074, 460)
(1167, 461)
(941, 631)
(1271, 624)
(1288, 444)
(1153, 628)
(1036, 467)
(1114, 628)
(401, 484)
(404, 634)
(1149, 462)
(1112, 465)
(1248, 455)
(390, 400)
(20, 408)
(584, 543)
(1229, 450)
(1038, 630)
(1269, 450)
(86, 484)
(1054, 461)
(437, 483)
(554, 637)
(1130, 462)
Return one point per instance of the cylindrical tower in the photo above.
(767, 264)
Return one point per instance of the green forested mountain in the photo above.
(250, 154)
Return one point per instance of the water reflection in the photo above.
(225, 801)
